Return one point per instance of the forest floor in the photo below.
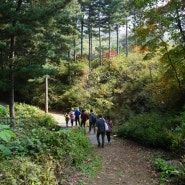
(123, 162)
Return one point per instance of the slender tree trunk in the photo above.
(91, 52)
(82, 30)
(117, 41)
(89, 47)
(150, 70)
(12, 98)
(74, 44)
(109, 44)
(46, 94)
(174, 69)
(126, 39)
(180, 27)
(69, 66)
(100, 47)
(12, 61)
(90, 38)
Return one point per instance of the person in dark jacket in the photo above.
(84, 118)
(92, 121)
(100, 124)
(77, 116)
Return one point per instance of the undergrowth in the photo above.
(159, 131)
(41, 151)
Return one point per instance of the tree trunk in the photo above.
(12, 61)
(126, 39)
(46, 95)
(109, 44)
(180, 27)
(117, 41)
(69, 66)
(100, 48)
(74, 57)
(82, 30)
(90, 38)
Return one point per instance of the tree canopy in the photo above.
(68, 41)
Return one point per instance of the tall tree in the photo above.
(162, 29)
(22, 23)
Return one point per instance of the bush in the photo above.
(6, 134)
(171, 172)
(3, 111)
(40, 152)
(147, 129)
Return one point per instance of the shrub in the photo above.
(3, 111)
(148, 129)
(40, 152)
(24, 171)
(5, 137)
(170, 174)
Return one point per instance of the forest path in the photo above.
(59, 118)
(123, 162)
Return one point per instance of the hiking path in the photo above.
(123, 162)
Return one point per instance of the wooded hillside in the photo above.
(123, 58)
(66, 41)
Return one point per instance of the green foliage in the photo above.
(49, 151)
(3, 111)
(41, 150)
(6, 134)
(148, 129)
(169, 173)
(25, 171)
(74, 96)
(177, 133)
(33, 114)
(157, 130)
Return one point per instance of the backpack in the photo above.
(93, 117)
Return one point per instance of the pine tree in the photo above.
(29, 35)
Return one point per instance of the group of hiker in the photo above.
(101, 126)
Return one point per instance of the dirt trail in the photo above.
(124, 162)
(59, 118)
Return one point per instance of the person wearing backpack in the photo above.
(100, 124)
(92, 121)
(110, 128)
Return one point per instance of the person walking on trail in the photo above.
(100, 124)
(84, 118)
(110, 128)
(77, 116)
(66, 119)
(92, 121)
(72, 118)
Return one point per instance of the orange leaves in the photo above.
(109, 54)
(140, 49)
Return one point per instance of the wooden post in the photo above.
(46, 94)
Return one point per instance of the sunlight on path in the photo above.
(59, 118)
